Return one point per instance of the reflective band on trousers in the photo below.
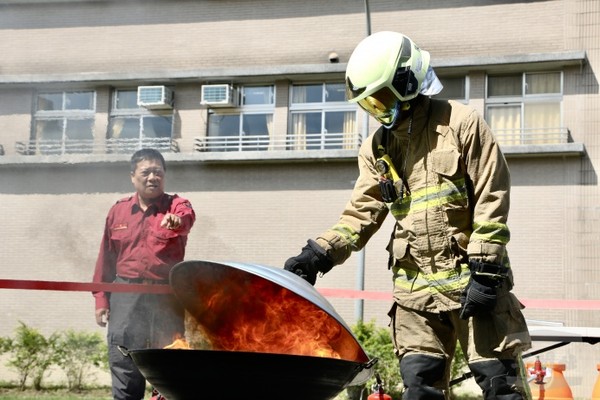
(443, 281)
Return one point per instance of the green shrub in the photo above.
(377, 343)
(77, 353)
(458, 368)
(31, 354)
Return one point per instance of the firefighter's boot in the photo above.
(423, 377)
(498, 379)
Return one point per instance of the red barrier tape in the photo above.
(547, 304)
(356, 294)
(83, 287)
(559, 304)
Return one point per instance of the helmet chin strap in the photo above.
(398, 110)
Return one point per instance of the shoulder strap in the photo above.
(383, 147)
(379, 149)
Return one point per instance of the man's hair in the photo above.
(147, 154)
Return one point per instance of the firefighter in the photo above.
(436, 168)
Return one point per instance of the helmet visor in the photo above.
(381, 105)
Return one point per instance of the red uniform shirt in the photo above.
(134, 245)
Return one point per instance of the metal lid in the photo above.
(256, 308)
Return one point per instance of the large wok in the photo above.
(233, 364)
(210, 374)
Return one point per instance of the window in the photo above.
(132, 127)
(246, 128)
(64, 122)
(321, 118)
(526, 108)
(455, 88)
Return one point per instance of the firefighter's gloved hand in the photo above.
(479, 297)
(312, 260)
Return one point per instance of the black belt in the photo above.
(144, 281)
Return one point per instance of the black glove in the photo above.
(312, 260)
(479, 297)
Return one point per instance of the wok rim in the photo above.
(305, 374)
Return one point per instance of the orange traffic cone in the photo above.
(549, 384)
(596, 391)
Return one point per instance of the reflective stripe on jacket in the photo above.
(457, 206)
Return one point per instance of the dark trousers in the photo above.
(128, 383)
(139, 321)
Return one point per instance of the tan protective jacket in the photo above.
(456, 208)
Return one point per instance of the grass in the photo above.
(10, 391)
(88, 394)
(103, 393)
(55, 394)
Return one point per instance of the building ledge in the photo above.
(291, 71)
(236, 157)
(544, 150)
(515, 61)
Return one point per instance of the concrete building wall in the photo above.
(263, 212)
(207, 34)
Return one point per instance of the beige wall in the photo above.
(263, 213)
(202, 34)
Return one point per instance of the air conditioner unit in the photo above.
(154, 97)
(219, 96)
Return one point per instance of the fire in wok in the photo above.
(253, 330)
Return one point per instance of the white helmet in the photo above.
(385, 70)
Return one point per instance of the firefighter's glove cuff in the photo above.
(488, 274)
(312, 260)
(477, 299)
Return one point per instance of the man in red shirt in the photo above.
(144, 236)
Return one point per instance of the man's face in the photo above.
(149, 179)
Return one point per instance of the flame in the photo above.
(280, 322)
(249, 313)
(179, 343)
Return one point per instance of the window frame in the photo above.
(64, 145)
(127, 145)
(557, 134)
(242, 141)
(466, 87)
(322, 140)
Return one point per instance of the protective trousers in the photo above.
(426, 342)
(498, 379)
